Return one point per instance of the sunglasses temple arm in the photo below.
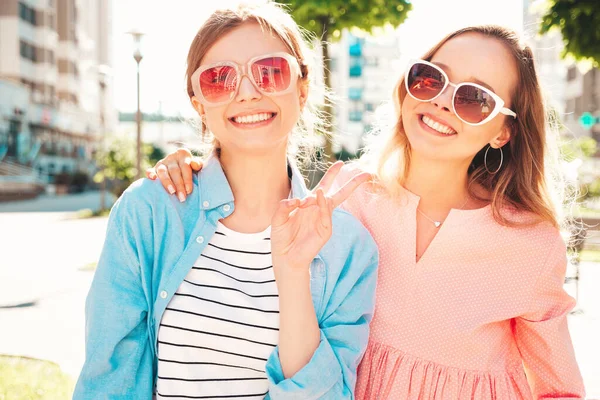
(507, 111)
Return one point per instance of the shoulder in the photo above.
(145, 200)
(539, 242)
(143, 192)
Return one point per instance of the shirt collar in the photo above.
(215, 190)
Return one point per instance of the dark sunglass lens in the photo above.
(473, 104)
(424, 81)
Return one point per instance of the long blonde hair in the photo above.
(529, 179)
(272, 18)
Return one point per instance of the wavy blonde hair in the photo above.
(530, 179)
(272, 18)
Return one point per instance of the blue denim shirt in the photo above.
(152, 242)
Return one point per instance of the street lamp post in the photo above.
(103, 71)
(137, 56)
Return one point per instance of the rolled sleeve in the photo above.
(313, 381)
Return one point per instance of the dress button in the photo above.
(200, 239)
(226, 207)
(163, 294)
(206, 204)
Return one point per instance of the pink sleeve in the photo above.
(542, 334)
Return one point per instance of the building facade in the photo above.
(55, 90)
(363, 73)
(571, 90)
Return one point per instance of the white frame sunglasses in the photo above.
(245, 70)
(499, 107)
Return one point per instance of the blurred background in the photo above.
(92, 92)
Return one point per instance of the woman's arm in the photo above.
(348, 300)
(118, 362)
(543, 338)
(319, 359)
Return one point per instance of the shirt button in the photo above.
(206, 204)
(226, 207)
(163, 294)
(200, 239)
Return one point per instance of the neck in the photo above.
(258, 183)
(441, 185)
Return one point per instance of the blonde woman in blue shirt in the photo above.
(234, 293)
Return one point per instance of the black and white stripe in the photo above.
(222, 324)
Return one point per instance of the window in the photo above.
(27, 13)
(355, 116)
(355, 48)
(355, 70)
(369, 107)
(572, 73)
(27, 51)
(355, 93)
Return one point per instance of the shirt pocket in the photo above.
(318, 279)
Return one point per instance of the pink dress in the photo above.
(484, 304)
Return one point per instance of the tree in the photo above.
(579, 24)
(119, 161)
(327, 18)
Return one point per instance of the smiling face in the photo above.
(433, 129)
(252, 121)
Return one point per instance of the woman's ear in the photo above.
(197, 106)
(502, 138)
(303, 94)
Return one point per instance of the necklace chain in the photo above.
(437, 224)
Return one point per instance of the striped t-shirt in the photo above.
(219, 329)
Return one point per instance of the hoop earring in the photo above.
(485, 160)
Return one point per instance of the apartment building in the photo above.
(55, 101)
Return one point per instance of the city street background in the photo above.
(68, 123)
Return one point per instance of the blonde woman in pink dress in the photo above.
(470, 301)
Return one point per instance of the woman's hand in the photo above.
(175, 172)
(300, 228)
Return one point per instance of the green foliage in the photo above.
(579, 24)
(119, 161)
(28, 379)
(336, 15)
(582, 147)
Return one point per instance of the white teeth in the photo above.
(250, 119)
(437, 126)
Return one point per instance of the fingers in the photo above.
(345, 191)
(282, 214)
(151, 173)
(330, 176)
(324, 210)
(175, 174)
(196, 163)
(186, 174)
(163, 174)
